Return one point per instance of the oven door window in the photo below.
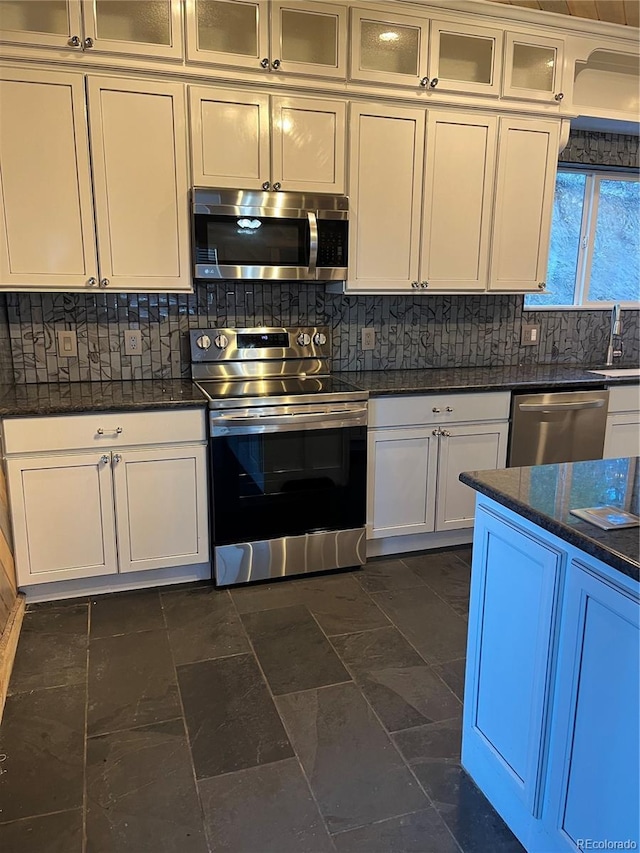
(285, 484)
(255, 241)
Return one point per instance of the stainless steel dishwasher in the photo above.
(567, 426)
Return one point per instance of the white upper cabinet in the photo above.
(150, 28)
(245, 141)
(386, 159)
(533, 68)
(388, 48)
(525, 185)
(295, 37)
(139, 152)
(458, 197)
(465, 59)
(47, 234)
(309, 38)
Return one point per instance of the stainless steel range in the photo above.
(288, 453)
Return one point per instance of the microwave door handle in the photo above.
(313, 242)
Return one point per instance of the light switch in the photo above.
(67, 344)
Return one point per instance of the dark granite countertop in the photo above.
(544, 494)
(382, 382)
(70, 397)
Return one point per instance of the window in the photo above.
(594, 256)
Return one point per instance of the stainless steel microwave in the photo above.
(269, 235)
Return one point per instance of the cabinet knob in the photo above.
(92, 281)
(558, 97)
(104, 459)
(542, 285)
(87, 43)
(276, 64)
(449, 408)
(436, 410)
(74, 41)
(434, 83)
(277, 186)
(264, 62)
(116, 458)
(435, 432)
(104, 282)
(424, 284)
(424, 82)
(445, 432)
(266, 185)
(414, 284)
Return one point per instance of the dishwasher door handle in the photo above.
(561, 407)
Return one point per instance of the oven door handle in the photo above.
(313, 242)
(239, 425)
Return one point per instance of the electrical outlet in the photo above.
(133, 342)
(67, 344)
(368, 338)
(530, 335)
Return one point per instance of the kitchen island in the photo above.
(551, 716)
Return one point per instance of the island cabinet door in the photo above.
(593, 777)
(515, 586)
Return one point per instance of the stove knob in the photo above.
(204, 342)
(303, 339)
(221, 341)
(319, 339)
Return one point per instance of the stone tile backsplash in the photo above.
(411, 332)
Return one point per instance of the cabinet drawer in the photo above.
(624, 398)
(98, 430)
(439, 408)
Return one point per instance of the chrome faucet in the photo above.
(614, 350)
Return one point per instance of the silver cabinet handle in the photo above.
(87, 43)
(116, 458)
(104, 459)
(277, 186)
(264, 62)
(276, 64)
(436, 410)
(542, 285)
(266, 185)
(117, 431)
(104, 282)
(424, 82)
(74, 41)
(92, 281)
(449, 408)
(558, 97)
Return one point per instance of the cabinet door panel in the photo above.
(46, 214)
(309, 38)
(388, 48)
(63, 520)
(140, 183)
(161, 508)
(144, 28)
(465, 59)
(533, 68)
(515, 584)
(308, 144)
(401, 482)
(527, 165)
(475, 447)
(44, 23)
(229, 138)
(459, 178)
(594, 790)
(228, 32)
(622, 437)
(385, 196)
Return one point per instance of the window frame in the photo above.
(593, 179)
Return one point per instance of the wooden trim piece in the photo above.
(8, 646)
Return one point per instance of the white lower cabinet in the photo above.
(109, 507)
(418, 446)
(622, 437)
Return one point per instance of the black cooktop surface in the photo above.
(292, 386)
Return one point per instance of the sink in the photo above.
(618, 371)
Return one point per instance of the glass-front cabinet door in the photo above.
(46, 23)
(309, 38)
(228, 32)
(465, 59)
(533, 68)
(388, 48)
(143, 28)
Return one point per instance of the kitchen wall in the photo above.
(411, 331)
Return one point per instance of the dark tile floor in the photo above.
(311, 715)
